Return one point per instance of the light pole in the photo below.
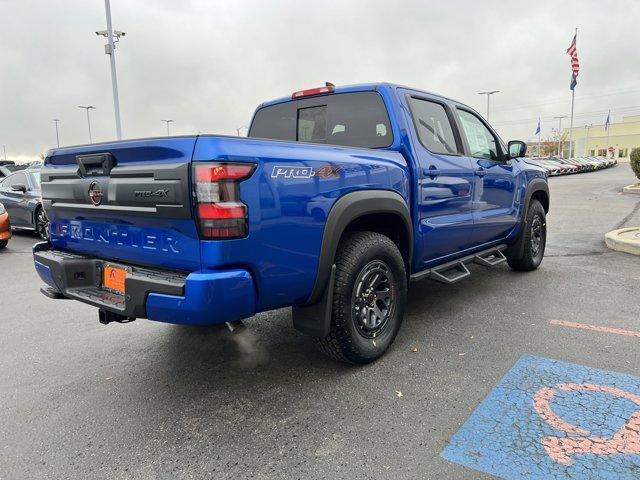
(240, 128)
(56, 121)
(488, 94)
(167, 122)
(87, 108)
(560, 117)
(4, 149)
(586, 142)
(112, 36)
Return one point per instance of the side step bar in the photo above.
(457, 270)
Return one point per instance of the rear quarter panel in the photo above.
(288, 198)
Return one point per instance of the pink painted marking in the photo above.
(560, 449)
(595, 328)
(541, 404)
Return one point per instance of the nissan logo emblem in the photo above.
(95, 194)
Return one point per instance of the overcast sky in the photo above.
(207, 64)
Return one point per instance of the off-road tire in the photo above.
(3, 243)
(524, 255)
(347, 341)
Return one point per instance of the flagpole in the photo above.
(539, 136)
(573, 95)
(539, 143)
(608, 131)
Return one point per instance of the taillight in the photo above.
(328, 88)
(219, 211)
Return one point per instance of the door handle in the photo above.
(432, 172)
(481, 172)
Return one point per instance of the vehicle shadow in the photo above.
(21, 241)
(269, 354)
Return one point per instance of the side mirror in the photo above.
(19, 187)
(517, 149)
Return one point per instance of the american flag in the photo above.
(575, 64)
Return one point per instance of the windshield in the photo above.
(357, 119)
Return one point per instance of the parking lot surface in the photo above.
(149, 400)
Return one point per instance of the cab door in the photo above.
(495, 211)
(445, 181)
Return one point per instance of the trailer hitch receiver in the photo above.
(106, 317)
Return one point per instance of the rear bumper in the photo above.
(198, 298)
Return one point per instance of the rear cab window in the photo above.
(355, 119)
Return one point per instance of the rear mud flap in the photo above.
(315, 320)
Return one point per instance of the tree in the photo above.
(635, 161)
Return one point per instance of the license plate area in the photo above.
(113, 278)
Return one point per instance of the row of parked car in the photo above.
(565, 166)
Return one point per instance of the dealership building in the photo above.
(618, 140)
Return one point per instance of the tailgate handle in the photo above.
(95, 164)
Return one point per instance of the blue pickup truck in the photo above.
(336, 201)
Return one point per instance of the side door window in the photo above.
(433, 127)
(482, 143)
(18, 178)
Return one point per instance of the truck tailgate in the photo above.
(127, 201)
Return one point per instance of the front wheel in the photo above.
(527, 253)
(3, 244)
(368, 299)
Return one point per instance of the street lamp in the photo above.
(87, 108)
(56, 121)
(113, 37)
(560, 117)
(586, 142)
(488, 94)
(167, 122)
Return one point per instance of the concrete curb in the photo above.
(624, 240)
(635, 189)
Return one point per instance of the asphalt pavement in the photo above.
(152, 401)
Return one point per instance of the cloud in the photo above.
(208, 64)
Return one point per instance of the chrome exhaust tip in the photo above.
(236, 326)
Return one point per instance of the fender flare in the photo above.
(535, 185)
(314, 317)
(345, 210)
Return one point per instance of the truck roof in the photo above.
(360, 87)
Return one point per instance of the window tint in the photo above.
(433, 126)
(481, 141)
(357, 119)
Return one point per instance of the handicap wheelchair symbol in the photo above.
(579, 441)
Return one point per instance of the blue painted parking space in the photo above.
(548, 419)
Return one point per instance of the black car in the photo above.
(20, 194)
